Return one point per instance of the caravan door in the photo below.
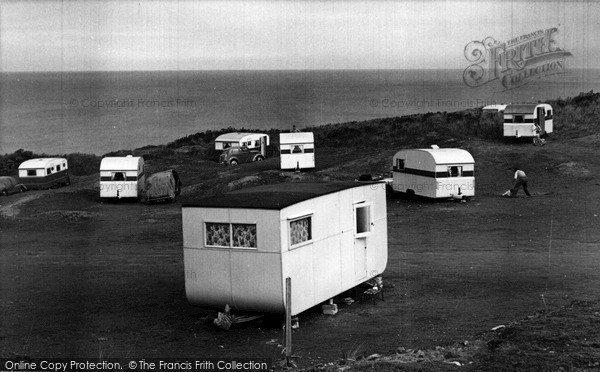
(541, 119)
(360, 258)
(363, 224)
(118, 184)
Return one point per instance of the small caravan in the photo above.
(122, 177)
(241, 139)
(297, 150)
(520, 120)
(434, 173)
(44, 173)
(239, 248)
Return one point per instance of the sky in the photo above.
(258, 35)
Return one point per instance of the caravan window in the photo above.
(300, 230)
(399, 164)
(454, 171)
(218, 234)
(298, 149)
(549, 114)
(49, 171)
(58, 168)
(362, 218)
(31, 172)
(118, 176)
(230, 235)
(244, 235)
(518, 119)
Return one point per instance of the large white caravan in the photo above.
(238, 249)
(520, 120)
(297, 150)
(434, 173)
(122, 177)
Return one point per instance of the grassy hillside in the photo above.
(574, 117)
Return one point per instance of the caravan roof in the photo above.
(275, 196)
(120, 163)
(235, 136)
(40, 163)
(297, 137)
(444, 156)
(526, 108)
(499, 107)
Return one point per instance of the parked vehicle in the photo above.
(386, 179)
(44, 173)
(11, 185)
(122, 177)
(235, 155)
(162, 186)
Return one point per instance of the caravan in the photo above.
(122, 177)
(434, 173)
(44, 173)
(242, 139)
(239, 248)
(297, 150)
(520, 120)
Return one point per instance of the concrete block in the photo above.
(330, 309)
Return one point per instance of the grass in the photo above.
(574, 117)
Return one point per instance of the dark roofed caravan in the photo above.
(327, 237)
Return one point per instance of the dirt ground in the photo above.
(80, 278)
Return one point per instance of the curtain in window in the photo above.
(217, 234)
(300, 231)
(244, 235)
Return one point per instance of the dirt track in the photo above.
(81, 278)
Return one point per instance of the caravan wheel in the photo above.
(233, 162)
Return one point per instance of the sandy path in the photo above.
(11, 207)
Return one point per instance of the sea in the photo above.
(100, 112)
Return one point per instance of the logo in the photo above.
(515, 62)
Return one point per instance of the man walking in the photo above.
(519, 180)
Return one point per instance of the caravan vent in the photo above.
(129, 156)
(435, 147)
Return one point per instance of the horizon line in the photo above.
(256, 70)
